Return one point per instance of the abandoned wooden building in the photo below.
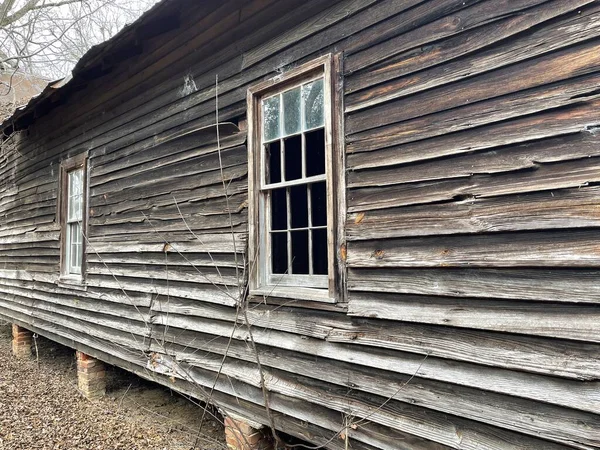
(369, 224)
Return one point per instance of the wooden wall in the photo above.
(472, 139)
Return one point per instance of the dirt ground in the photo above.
(40, 408)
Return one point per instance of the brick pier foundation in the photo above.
(91, 376)
(240, 435)
(21, 341)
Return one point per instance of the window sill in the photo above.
(76, 283)
(296, 293)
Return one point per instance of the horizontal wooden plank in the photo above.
(568, 248)
(137, 330)
(30, 237)
(561, 358)
(113, 341)
(142, 224)
(550, 285)
(195, 166)
(212, 275)
(564, 208)
(79, 300)
(206, 242)
(173, 209)
(559, 321)
(70, 291)
(166, 154)
(171, 258)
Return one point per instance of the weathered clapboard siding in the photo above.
(472, 153)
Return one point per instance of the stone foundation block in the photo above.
(240, 435)
(91, 376)
(21, 342)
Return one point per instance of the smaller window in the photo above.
(74, 245)
(73, 222)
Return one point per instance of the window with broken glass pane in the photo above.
(294, 183)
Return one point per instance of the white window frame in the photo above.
(70, 273)
(319, 288)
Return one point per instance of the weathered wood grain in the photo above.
(550, 249)
(550, 285)
(562, 321)
(545, 389)
(567, 120)
(472, 146)
(477, 113)
(578, 27)
(446, 38)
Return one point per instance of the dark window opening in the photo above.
(293, 158)
(273, 153)
(319, 240)
(315, 153)
(279, 209)
(279, 256)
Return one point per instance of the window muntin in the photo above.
(294, 185)
(74, 222)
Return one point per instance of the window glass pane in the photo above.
(76, 208)
(279, 252)
(73, 264)
(319, 249)
(73, 183)
(299, 203)
(273, 155)
(293, 158)
(68, 247)
(278, 209)
(312, 96)
(300, 252)
(75, 195)
(271, 118)
(315, 152)
(319, 204)
(75, 248)
(79, 256)
(291, 111)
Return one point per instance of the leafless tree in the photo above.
(47, 37)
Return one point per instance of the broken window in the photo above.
(293, 185)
